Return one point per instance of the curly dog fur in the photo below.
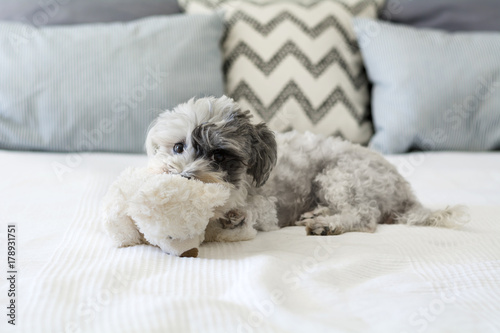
(332, 186)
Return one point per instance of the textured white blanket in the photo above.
(399, 279)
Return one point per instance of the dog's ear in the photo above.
(264, 154)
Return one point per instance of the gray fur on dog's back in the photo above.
(346, 187)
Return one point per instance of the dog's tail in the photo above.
(450, 217)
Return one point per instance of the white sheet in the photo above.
(399, 279)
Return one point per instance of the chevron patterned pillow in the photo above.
(297, 65)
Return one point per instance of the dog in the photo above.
(327, 184)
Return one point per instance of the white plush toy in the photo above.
(164, 210)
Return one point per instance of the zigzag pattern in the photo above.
(277, 68)
(289, 48)
(314, 32)
(354, 10)
(292, 90)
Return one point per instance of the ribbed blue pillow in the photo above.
(432, 90)
(98, 87)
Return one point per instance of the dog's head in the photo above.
(213, 140)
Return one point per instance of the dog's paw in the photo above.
(233, 219)
(321, 227)
(314, 229)
(310, 217)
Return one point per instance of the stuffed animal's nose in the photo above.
(192, 253)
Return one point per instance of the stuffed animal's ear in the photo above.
(264, 154)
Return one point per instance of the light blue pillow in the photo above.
(432, 90)
(98, 87)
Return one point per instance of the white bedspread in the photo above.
(399, 279)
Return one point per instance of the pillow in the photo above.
(98, 87)
(52, 12)
(432, 90)
(298, 66)
(451, 15)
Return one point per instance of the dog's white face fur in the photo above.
(213, 140)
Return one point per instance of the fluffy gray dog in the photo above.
(329, 185)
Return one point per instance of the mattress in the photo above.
(69, 278)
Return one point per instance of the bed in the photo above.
(75, 104)
(398, 279)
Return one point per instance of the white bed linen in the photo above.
(399, 279)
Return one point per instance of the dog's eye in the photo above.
(218, 156)
(178, 148)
